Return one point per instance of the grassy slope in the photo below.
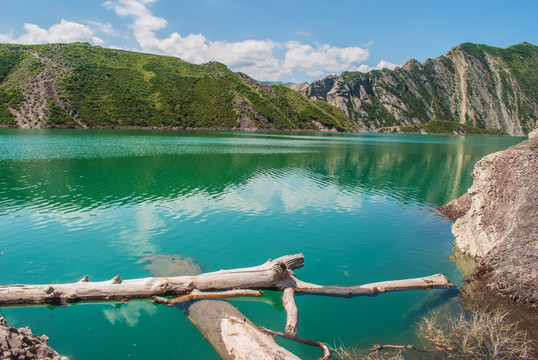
(10, 58)
(118, 88)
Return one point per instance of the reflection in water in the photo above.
(130, 313)
(358, 206)
(429, 173)
(136, 238)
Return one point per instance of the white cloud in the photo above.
(6, 38)
(106, 29)
(324, 58)
(385, 64)
(254, 57)
(369, 43)
(97, 41)
(261, 59)
(381, 65)
(64, 32)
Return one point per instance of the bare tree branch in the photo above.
(324, 347)
(198, 295)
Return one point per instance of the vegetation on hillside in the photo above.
(521, 59)
(105, 87)
(481, 86)
(74, 85)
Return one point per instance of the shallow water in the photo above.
(361, 207)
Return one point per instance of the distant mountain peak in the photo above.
(475, 85)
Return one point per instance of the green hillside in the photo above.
(79, 85)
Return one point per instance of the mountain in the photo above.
(471, 89)
(79, 85)
(473, 85)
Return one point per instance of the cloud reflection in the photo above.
(129, 313)
(144, 224)
(289, 193)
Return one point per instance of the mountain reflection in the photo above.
(250, 173)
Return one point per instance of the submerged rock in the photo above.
(22, 344)
(496, 221)
(171, 265)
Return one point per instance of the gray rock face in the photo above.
(481, 86)
(499, 224)
(533, 134)
(21, 344)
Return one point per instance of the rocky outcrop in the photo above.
(496, 221)
(477, 85)
(21, 344)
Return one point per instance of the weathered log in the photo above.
(292, 314)
(424, 283)
(231, 334)
(271, 275)
(276, 274)
(199, 295)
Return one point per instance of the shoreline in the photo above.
(235, 129)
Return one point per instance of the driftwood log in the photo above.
(230, 333)
(274, 274)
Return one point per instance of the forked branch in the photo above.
(274, 274)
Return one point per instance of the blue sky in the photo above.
(280, 40)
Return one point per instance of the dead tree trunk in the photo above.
(230, 333)
(274, 274)
(271, 275)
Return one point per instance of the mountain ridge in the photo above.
(472, 89)
(477, 85)
(78, 85)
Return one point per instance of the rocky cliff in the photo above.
(496, 221)
(476, 85)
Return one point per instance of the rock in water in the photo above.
(171, 265)
(497, 221)
(22, 344)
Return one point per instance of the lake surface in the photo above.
(361, 207)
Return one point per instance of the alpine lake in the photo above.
(361, 207)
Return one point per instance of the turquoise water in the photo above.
(361, 207)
